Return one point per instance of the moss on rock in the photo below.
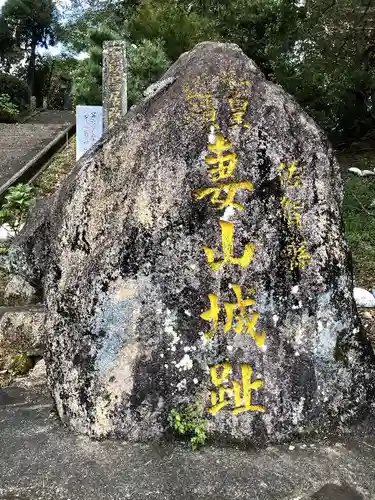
(21, 364)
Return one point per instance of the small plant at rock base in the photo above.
(189, 422)
(17, 203)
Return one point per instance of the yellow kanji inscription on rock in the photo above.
(299, 256)
(218, 400)
(212, 315)
(289, 175)
(202, 105)
(229, 189)
(221, 396)
(291, 210)
(237, 93)
(238, 109)
(227, 232)
(240, 320)
(223, 162)
(237, 317)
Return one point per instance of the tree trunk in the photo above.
(47, 90)
(31, 68)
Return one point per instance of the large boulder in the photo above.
(196, 258)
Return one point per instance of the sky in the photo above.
(58, 47)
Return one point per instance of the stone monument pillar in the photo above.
(33, 103)
(114, 83)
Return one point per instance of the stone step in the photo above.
(22, 334)
(29, 308)
(21, 142)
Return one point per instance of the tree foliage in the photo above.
(9, 52)
(321, 51)
(53, 78)
(90, 15)
(16, 89)
(147, 62)
(60, 79)
(26, 25)
(179, 27)
(8, 110)
(333, 71)
(87, 78)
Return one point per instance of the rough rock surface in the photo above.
(19, 292)
(29, 258)
(197, 257)
(21, 331)
(368, 321)
(36, 379)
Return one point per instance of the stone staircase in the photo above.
(21, 142)
(22, 318)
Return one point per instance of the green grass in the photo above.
(61, 165)
(359, 216)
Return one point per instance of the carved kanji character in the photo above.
(229, 189)
(237, 317)
(227, 231)
(299, 256)
(223, 162)
(219, 376)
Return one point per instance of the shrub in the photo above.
(7, 109)
(190, 423)
(17, 90)
(17, 203)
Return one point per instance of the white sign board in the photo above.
(89, 120)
